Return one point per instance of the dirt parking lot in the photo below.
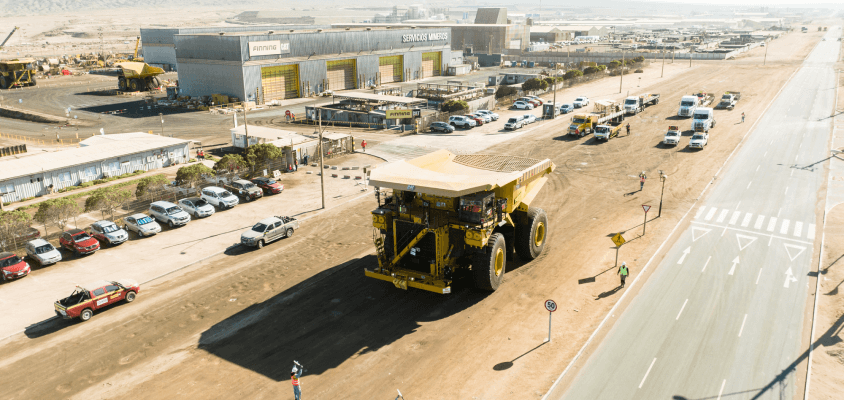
(231, 325)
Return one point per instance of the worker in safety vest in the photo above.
(294, 377)
(622, 270)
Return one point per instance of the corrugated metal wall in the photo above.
(160, 54)
(312, 74)
(201, 79)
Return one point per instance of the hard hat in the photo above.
(295, 369)
(623, 264)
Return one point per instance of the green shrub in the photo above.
(504, 91)
(534, 84)
(614, 64)
(590, 70)
(639, 71)
(455, 105)
(86, 184)
(574, 73)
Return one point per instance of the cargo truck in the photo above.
(636, 104)
(550, 110)
(729, 100)
(444, 215)
(606, 132)
(688, 104)
(703, 120)
(606, 111)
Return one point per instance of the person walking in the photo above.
(294, 378)
(628, 129)
(363, 145)
(623, 271)
(742, 117)
(642, 178)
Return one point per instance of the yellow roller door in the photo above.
(431, 63)
(341, 74)
(281, 82)
(391, 68)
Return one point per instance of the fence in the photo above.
(72, 142)
(12, 150)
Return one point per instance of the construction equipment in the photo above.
(606, 111)
(17, 73)
(8, 37)
(135, 55)
(636, 104)
(729, 100)
(449, 214)
(137, 76)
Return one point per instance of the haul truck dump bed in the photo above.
(447, 214)
(137, 76)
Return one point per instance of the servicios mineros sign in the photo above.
(424, 37)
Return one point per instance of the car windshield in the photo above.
(173, 210)
(579, 99)
(272, 182)
(8, 262)
(701, 116)
(672, 134)
(199, 203)
(579, 120)
(225, 193)
(687, 103)
(697, 137)
(110, 228)
(44, 249)
(725, 97)
(567, 105)
(81, 237)
(630, 101)
(144, 220)
(259, 227)
(249, 185)
(512, 120)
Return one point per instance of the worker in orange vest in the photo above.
(363, 145)
(294, 377)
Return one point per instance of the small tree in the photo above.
(150, 186)
(574, 73)
(590, 70)
(504, 91)
(260, 154)
(455, 105)
(614, 64)
(534, 84)
(229, 164)
(58, 211)
(602, 68)
(191, 174)
(107, 200)
(12, 224)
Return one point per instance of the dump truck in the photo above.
(606, 132)
(729, 100)
(442, 216)
(17, 73)
(636, 104)
(606, 111)
(137, 76)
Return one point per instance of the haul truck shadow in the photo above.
(327, 319)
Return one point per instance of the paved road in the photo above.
(722, 316)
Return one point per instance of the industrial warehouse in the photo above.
(270, 65)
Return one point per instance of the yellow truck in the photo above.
(605, 112)
(442, 215)
(17, 73)
(137, 76)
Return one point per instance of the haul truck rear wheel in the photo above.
(2, 82)
(488, 266)
(121, 84)
(531, 234)
(135, 85)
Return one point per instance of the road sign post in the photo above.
(645, 225)
(551, 306)
(618, 240)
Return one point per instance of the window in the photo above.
(90, 172)
(34, 180)
(111, 288)
(114, 166)
(64, 177)
(9, 188)
(99, 291)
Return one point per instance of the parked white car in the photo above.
(219, 197)
(108, 232)
(42, 252)
(486, 118)
(142, 224)
(515, 123)
(581, 101)
(169, 213)
(523, 105)
(491, 114)
(197, 207)
(462, 121)
(529, 118)
(699, 140)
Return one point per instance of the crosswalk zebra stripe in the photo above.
(746, 221)
(711, 213)
(798, 228)
(784, 229)
(759, 220)
(811, 233)
(699, 212)
(734, 218)
(772, 223)
(722, 215)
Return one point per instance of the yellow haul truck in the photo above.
(448, 214)
(137, 76)
(606, 112)
(17, 73)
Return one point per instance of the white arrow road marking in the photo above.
(733, 269)
(789, 247)
(695, 231)
(789, 277)
(739, 237)
(685, 253)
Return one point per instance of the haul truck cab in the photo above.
(442, 213)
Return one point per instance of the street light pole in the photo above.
(621, 82)
(662, 177)
(161, 115)
(321, 156)
(663, 62)
(766, 54)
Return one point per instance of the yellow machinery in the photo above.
(135, 55)
(8, 37)
(137, 76)
(451, 214)
(17, 73)
(606, 112)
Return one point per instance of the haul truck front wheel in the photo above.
(488, 266)
(531, 234)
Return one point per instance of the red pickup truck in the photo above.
(92, 297)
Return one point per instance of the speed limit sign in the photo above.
(550, 305)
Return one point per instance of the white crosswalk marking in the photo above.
(722, 215)
(772, 223)
(798, 228)
(759, 220)
(699, 212)
(811, 233)
(734, 218)
(784, 230)
(711, 213)
(746, 220)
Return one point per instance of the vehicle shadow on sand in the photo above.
(55, 324)
(329, 318)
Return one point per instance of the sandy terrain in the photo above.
(231, 326)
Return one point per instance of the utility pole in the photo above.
(663, 62)
(161, 115)
(621, 81)
(663, 178)
(245, 129)
(766, 54)
(321, 156)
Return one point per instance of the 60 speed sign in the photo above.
(550, 305)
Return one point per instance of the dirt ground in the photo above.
(231, 326)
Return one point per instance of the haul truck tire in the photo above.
(488, 266)
(31, 79)
(531, 234)
(135, 85)
(121, 84)
(2, 82)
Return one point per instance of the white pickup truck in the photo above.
(672, 137)
(699, 140)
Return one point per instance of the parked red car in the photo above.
(476, 119)
(79, 242)
(88, 298)
(269, 186)
(13, 267)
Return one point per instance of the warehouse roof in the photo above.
(99, 149)
(360, 27)
(379, 98)
(420, 25)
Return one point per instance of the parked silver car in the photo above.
(268, 230)
(169, 213)
(42, 252)
(108, 232)
(219, 197)
(197, 207)
(141, 224)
